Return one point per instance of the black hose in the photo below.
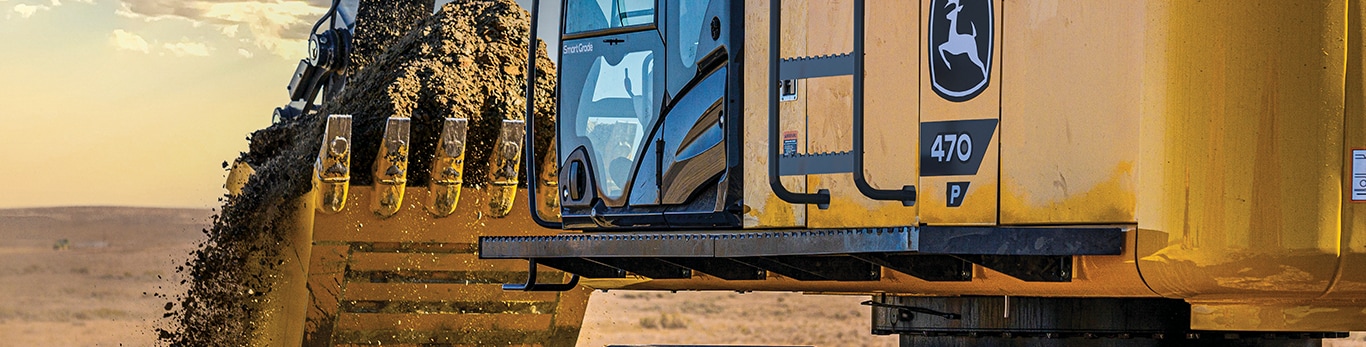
(331, 14)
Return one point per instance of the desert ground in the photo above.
(101, 276)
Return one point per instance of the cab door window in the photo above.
(591, 15)
(611, 88)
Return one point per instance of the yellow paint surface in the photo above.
(980, 205)
(762, 208)
(1070, 111)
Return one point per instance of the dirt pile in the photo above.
(468, 61)
(381, 22)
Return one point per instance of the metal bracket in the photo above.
(1028, 268)
(907, 313)
(929, 267)
(532, 286)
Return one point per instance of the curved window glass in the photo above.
(689, 29)
(613, 111)
(590, 15)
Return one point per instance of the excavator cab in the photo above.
(646, 135)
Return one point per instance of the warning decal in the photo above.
(789, 143)
(1359, 175)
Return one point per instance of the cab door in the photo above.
(611, 88)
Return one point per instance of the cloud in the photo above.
(129, 41)
(230, 30)
(187, 49)
(27, 11)
(245, 53)
(278, 26)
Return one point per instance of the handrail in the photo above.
(821, 198)
(532, 286)
(530, 147)
(907, 194)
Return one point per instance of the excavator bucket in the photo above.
(382, 249)
(390, 264)
(415, 279)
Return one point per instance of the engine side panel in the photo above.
(1070, 111)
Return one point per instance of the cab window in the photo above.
(590, 15)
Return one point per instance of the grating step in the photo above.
(815, 164)
(814, 67)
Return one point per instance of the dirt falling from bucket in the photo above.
(467, 61)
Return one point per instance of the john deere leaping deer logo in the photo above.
(960, 47)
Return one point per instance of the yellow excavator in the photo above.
(986, 172)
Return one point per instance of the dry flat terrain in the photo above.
(631, 318)
(100, 288)
(90, 276)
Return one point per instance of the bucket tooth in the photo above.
(448, 168)
(507, 155)
(391, 168)
(331, 172)
(549, 186)
(238, 176)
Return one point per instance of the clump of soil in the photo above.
(468, 61)
(381, 22)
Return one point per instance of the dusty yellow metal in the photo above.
(416, 279)
(891, 138)
(1070, 107)
(979, 204)
(503, 167)
(819, 120)
(1220, 132)
(332, 170)
(448, 168)
(279, 321)
(1349, 282)
(763, 209)
(548, 202)
(1242, 161)
(391, 167)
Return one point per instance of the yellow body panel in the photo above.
(1221, 132)
(1349, 282)
(1070, 106)
(821, 115)
(762, 208)
(979, 205)
(890, 148)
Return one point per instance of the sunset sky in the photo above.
(138, 102)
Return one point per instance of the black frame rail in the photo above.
(932, 253)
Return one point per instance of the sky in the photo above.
(138, 102)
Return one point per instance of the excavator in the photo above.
(985, 172)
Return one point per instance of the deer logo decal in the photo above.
(960, 50)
